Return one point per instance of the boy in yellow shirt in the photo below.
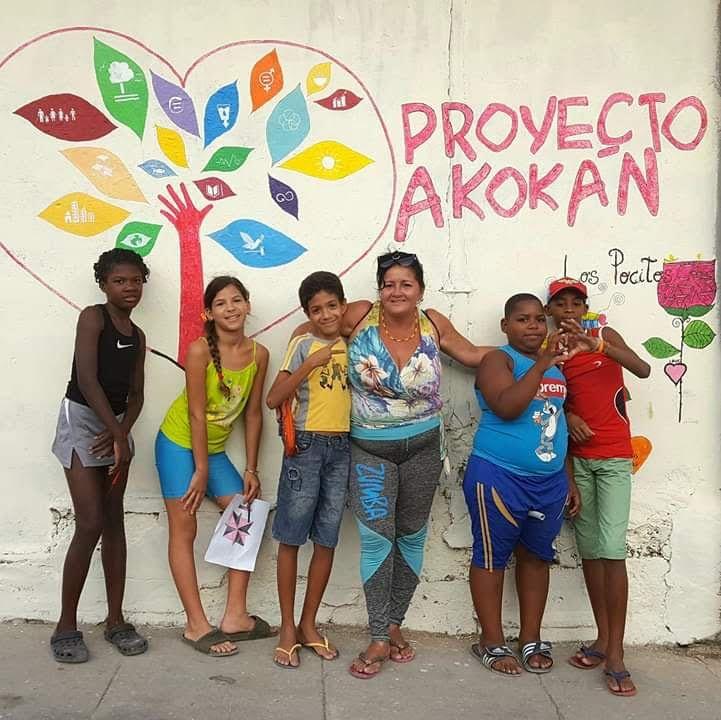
(313, 482)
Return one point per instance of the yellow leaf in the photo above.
(327, 160)
(82, 214)
(172, 146)
(106, 171)
(318, 78)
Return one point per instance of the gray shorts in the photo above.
(77, 428)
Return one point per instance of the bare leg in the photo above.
(318, 574)
(532, 586)
(287, 574)
(236, 617)
(114, 549)
(616, 601)
(87, 487)
(487, 594)
(182, 531)
(594, 573)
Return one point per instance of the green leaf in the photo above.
(657, 347)
(123, 86)
(227, 159)
(139, 237)
(677, 312)
(699, 310)
(698, 334)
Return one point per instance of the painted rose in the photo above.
(687, 285)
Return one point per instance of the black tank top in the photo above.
(117, 355)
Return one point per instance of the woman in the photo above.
(394, 370)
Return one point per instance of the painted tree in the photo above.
(126, 94)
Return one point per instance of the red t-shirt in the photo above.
(597, 394)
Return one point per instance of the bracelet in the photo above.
(601, 347)
(252, 472)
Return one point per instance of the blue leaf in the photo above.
(256, 244)
(157, 168)
(288, 125)
(221, 112)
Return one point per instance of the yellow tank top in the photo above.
(220, 412)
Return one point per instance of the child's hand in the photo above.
(195, 492)
(251, 484)
(574, 499)
(322, 357)
(555, 351)
(578, 340)
(578, 429)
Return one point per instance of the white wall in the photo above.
(513, 52)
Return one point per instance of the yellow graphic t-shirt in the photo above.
(322, 400)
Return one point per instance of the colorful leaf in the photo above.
(176, 104)
(657, 347)
(641, 447)
(266, 79)
(318, 78)
(327, 160)
(283, 196)
(698, 334)
(340, 100)
(221, 112)
(139, 237)
(82, 214)
(256, 244)
(699, 310)
(157, 169)
(106, 171)
(67, 117)
(288, 125)
(214, 188)
(123, 86)
(172, 146)
(227, 159)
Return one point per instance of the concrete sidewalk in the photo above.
(173, 681)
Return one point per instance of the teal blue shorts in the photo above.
(176, 466)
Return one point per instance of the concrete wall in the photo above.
(498, 235)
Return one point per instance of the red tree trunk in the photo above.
(191, 289)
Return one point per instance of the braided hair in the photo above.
(211, 335)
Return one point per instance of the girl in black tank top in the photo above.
(103, 399)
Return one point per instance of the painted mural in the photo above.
(274, 139)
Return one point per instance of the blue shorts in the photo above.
(505, 510)
(176, 466)
(312, 490)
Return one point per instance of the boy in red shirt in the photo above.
(600, 459)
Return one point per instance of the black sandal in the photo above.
(127, 639)
(69, 647)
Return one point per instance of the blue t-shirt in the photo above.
(535, 442)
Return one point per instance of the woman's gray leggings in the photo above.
(392, 483)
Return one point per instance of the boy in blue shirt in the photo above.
(516, 485)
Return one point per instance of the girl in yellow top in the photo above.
(224, 377)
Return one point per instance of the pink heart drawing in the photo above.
(675, 371)
(343, 245)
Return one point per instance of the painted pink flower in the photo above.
(687, 284)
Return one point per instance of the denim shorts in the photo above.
(176, 466)
(312, 490)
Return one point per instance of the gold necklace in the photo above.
(414, 330)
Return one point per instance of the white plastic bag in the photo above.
(237, 536)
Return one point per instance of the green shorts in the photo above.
(605, 488)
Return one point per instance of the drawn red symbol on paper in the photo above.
(67, 117)
(237, 529)
(214, 188)
(340, 100)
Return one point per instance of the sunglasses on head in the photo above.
(397, 258)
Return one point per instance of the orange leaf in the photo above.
(266, 79)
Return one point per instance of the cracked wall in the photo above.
(517, 52)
